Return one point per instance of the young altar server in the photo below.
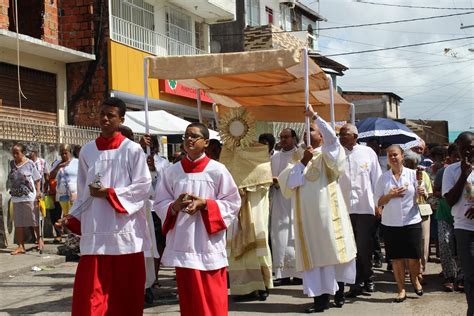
(197, 200)
(113, 182)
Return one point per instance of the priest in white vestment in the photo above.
(197, 200)
(281, 215)
(324, 241)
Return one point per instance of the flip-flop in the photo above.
(18, 251)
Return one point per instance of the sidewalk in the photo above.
(19, 264)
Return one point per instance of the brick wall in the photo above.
(4, 22)
(77, 24)
(50, 22)
(357, 97)
(269, 37)
(81, 26)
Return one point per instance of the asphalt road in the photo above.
(49, 292)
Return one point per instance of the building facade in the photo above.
(374, 104)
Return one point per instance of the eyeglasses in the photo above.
(192, 137)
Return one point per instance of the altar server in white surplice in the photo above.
(197, 200)
(324, 241)
(113, 182)
(281, 224)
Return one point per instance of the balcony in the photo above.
(149, 41)
(212, 11)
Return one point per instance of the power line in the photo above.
(396, 21)
(412, 6)
(367, 44)
(401, 46)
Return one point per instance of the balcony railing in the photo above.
(149, 41)
(24, 129)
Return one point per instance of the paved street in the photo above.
(49, 292)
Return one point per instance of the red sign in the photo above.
(174, 87)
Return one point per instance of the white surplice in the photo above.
(362, 171)
(281, 217)
(104, 230)
(188, 243)
(325, 246)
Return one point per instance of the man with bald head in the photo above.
(325, 246)
(362, 170)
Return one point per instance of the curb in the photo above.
(26, 265)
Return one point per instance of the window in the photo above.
(199, 32)
(178, 26)
(252, 12)
(137, 12)
(285, 17)
(40, 97)
(269, 12)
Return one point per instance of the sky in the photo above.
(434, 85)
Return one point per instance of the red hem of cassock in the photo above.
(170, 221)
(109, 285)
(212, 218)
(115, 202)
(202, 293)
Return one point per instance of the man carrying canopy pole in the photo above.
(324, 241)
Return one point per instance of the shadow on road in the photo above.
(58, 306)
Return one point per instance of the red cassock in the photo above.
(195, 244)
(110, 277)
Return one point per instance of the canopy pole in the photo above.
(145, 84)
(198, 99)
(331, 98)
(353, 113)
(216, 115)
(306, 95)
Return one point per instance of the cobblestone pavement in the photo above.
(49, 292)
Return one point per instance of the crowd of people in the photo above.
(319, 222)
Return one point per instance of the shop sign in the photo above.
(174, 87)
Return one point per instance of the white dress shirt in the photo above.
(362, 171)
(450, 177)
(400, 211)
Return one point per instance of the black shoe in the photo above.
(354, 291)
(389, 266)
(149, 297)
(321, 303)
(339, 299)
(247, 297)
(281, 282)
(377, 263)
(262, 295)
(297, 281)
(400, 299)
(369, 286)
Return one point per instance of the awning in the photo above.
(269, 83)
(161, 123)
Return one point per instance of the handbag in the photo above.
(425, 209)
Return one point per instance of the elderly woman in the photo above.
(65, 173)
(412, 160)
(24, 183)
(396, 191)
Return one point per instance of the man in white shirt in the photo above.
(361, 172)
(282, 217)
(458, 189)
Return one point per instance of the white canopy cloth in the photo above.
(161, 123)
(269, 83)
